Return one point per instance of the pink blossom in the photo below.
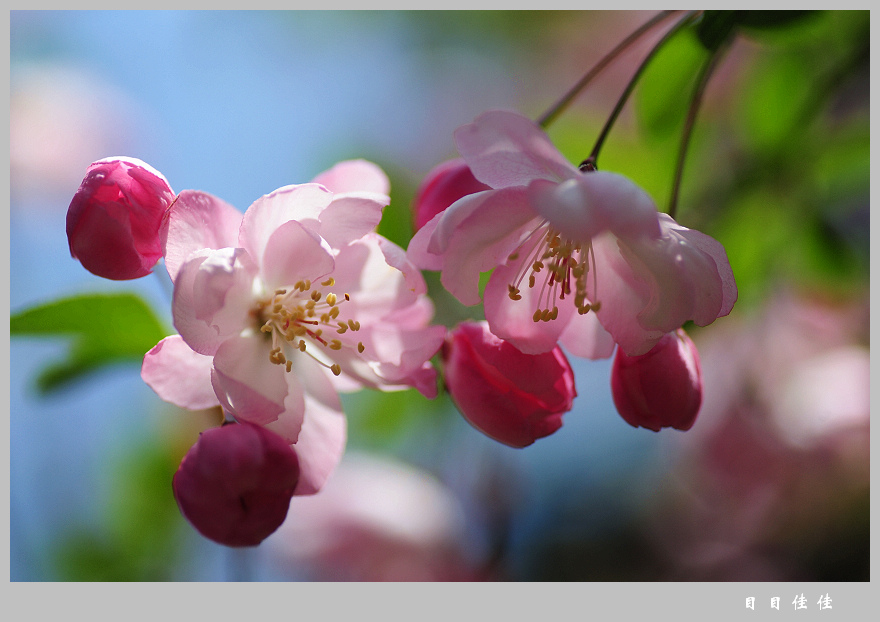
(235, 484)
(661, 388)
(445, 184)
(576, 255)
(512, 397)
(114, 218)
(280, 309)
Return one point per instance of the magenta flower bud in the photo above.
(235, 484)
(662, 388)
(114, 218)
(510, 396)
(444, 184)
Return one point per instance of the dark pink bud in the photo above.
(235, 484)
(662, 388)
(114, 218)
(512, 397)
(444, 184)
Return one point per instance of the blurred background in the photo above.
(771, 483)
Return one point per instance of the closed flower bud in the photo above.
(510, 396)
(662, 388)
(114, 218)
(445, 184)
(235, 484)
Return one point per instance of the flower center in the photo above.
(562, 267)
(297, 320)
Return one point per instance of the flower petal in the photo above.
(212, 296)
(354, 176)
(303, 203)
(584, 336)
(505, 149)
(322, 438)
(351, 216)
(496, 223)
(512, 320)
(248, 385)
(585, 206)
(179, 375)
(195, 221)
(713, 249)
(294, 253)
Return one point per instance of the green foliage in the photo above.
(139, 535)
(104, 329)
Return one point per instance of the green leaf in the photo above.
(715, 28)
(105, 329)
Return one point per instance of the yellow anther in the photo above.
(280, 292)
(354, 325)
(360, 347)
(342, 328)
(335, 344)
(336, 369)
(596, 306)
(318, 332)
(531, 280)
(277, 307)
(289, 365)
(316, 295)
(329, 282)
(537, 266)
(301, 345)
(334, 312)
(310, 304)
(513, 256)
(267, 327)
(331, 299)
(537, 316)
(300, 285)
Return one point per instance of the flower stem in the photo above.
(590, 162)
(696, 98)
(556, 109)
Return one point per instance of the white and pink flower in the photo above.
(281, 308)
(580, 258)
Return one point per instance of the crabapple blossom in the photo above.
(661, 388)
(235, 484)
(280, 309)
(576, 255)
(445, 184)
(114, 218)
(510, 396)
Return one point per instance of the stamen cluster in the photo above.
(291, 318)
(562, 262)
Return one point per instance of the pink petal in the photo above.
(713, 249)
(248, 384)
(622, 294)
(584, 336)
(417, 250)
(506, 149)
(583, 207)
(351, 216)
(212, 297)
(354, 176)
(445, 184)
(303, 203)
(322, 438)
(497, 223)
(512, 321)
(195, 221)
(294, 253)
(179, 375)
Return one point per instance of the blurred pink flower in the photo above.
(583, 242)
(234, 485)
(661, 388)
(377, 519)
(510, 396)
(281, 308)
(114, 218)
(445, 184)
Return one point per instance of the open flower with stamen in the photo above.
(580, 258)
(280, 309)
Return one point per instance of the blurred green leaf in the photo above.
(716, 27)
(766, 20)
(105, 329)
(664, 90)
